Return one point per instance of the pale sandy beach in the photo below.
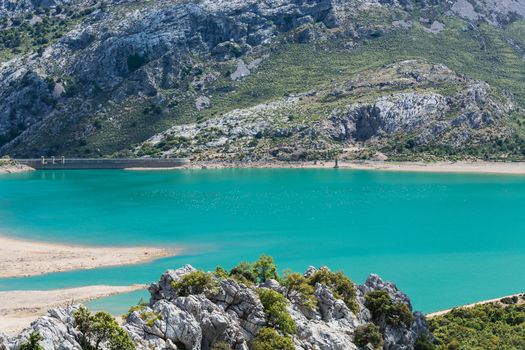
(440, 167)
(19, 258)
(19, 308)
(483, 302)
(517, 168)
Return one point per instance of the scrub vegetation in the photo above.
(100, 329)
(489, 326)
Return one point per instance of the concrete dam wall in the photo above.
(49, 163)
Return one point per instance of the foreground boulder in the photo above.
(190, 309)
(56, 329)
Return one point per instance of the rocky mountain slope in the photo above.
(263, 80)
(423, 105)
(190, 309)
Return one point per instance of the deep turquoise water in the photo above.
(445, 239)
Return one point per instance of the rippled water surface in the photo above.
(445, 239)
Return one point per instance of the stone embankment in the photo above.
(8, 166)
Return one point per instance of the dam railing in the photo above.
(46, 163)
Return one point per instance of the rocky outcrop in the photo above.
(435, 114)
(56, 328)
(493, 11)
(406, 111)
(429, 115)
(231, 315)
(395, 337)
(331, 326)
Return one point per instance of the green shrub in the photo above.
(265, 269)
(150, 317)
(152, 108)
(33, 342)
(368, 334)
(295, 282)
(270, 339)
(100, 330)
(244, 273)
(399, 314)
(381, 306)
(196, 282)
(339, 285)
(220, 273)
(424, 343)
(147, 316)
(139, 307)
(120, 340)
(148, 149)
(377, 302)
(510, 300)
(258, 272)
(275, 304)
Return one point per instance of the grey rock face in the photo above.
(389, 114)
(9, 6)
(163, 289)
(330, 326)
(465, 10)
(56, 328)
(202, 102)
(374, 282)
(176, 326)
(232, 314)
(4, 341)
(241, 303)
(436, 28)
(241, 71)
(27, 99)
(331, 335)
(396, 338)
(496, 12)
(310, 271)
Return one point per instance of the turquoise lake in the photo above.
(445, 239)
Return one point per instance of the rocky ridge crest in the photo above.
(232, 315)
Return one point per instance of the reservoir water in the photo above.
(445, 239)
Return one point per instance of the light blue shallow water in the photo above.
(445, 239)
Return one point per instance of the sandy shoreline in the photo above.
(19, 308)
(509, 168)
(515, 168)
(483, 302)
(21, 258)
